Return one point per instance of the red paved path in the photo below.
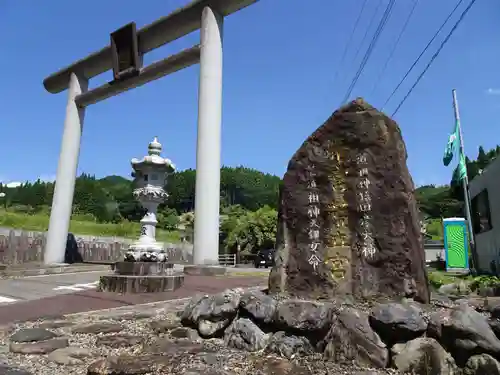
(93, 300)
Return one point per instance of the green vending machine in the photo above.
(456, 244)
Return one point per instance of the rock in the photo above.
(489, 291)
(442, 301)
(209, 359)
(495, 311)
(185, 333)
(352, 340)
(119, 341)
(9, 370)
(95, 328)
(481, 364)
(423, 355)
(348, 221)
(459, 288)
(279, 366)
(55, 324)
(302, 317)
(163, 326)
(206, 371)
(7, 329)
(129, 315)
(397, 322)
(212, 314)
(169, 347)
(463, 332)
(39, 347)
(244, 334)
(128, 365)
(32, 334)
(258, 306)
(69, 356)
(289, 346)
(495, 326)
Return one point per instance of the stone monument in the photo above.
(145, 267)
(348, 222)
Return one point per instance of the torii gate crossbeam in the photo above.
(206, 15)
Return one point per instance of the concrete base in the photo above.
(144, 268)
(140, 284)
(205, 270)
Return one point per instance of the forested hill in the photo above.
(447, 200)
(110, 199)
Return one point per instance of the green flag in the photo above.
(453, 144)
(462, 166)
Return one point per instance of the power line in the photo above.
(372, 20)
(422, 53)
(462, 16)
(401, 33)
(371, 47)
(341, 64)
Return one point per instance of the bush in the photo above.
(484, 281)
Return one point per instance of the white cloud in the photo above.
(492, 91)
(13, 184)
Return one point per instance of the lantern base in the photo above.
(146, 249)
(140, 284)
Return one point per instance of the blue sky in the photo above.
(280, 59)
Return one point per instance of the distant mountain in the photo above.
(114, 180)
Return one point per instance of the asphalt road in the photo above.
(37, 287)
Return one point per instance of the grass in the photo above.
(440, 278)
(435, 229)
(40, 223)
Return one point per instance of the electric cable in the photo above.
(462, 16)
(391, 54)
(344, 54)
(422, 53)
(372, 20)
(371, 47)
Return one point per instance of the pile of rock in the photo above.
(406, 335)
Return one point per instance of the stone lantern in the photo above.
(150, 174)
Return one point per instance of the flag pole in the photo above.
(465, 180)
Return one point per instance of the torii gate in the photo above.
(124, 56)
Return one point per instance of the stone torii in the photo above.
(124, 57)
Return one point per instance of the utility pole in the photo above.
(465, 181)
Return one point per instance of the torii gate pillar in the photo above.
(208, 149)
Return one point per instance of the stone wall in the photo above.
(18, 246)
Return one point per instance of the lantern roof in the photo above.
(153, 158)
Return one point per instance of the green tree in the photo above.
(253, 231)
(168, 218)
(91, 198)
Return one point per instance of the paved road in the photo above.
(36, 287)
(62, 302)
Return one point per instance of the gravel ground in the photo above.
(211, 357)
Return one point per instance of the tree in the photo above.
(253, 231)
(168, 218)
(482, 159)
(91, 198)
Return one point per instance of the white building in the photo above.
(485, 212)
